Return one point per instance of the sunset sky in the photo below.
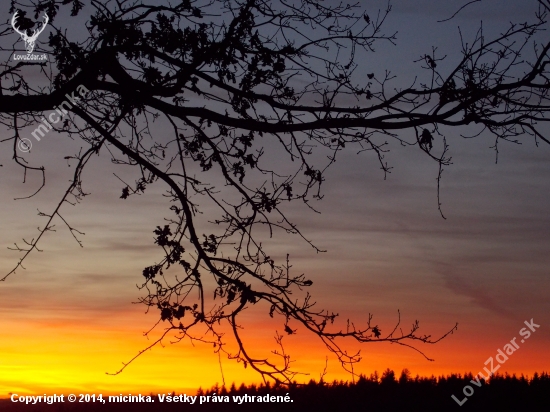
(69, 317)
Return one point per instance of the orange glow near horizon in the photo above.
(72, 357)
(68, 318)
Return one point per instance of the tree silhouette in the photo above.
(239, 82)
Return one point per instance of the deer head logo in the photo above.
(29, 40)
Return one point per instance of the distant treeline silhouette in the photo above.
(383, 392)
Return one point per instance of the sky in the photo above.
(70, 317)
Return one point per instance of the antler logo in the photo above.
(29, 40)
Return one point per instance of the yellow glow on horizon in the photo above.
(72, 357)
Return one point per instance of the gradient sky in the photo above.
(69, 318)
